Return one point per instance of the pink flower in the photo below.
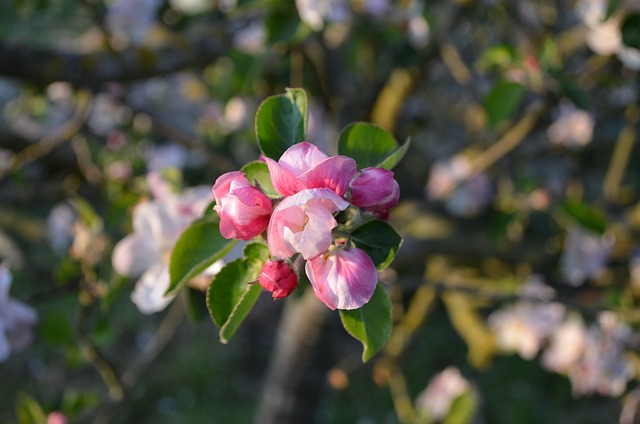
(56, 417)
(278, 278)
(302, 223)
(343, 278)
(244, 210)
(304, 166)
(375, 191)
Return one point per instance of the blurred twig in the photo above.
(510, 139)
(621, 155)
(47, 143)
(199, 47)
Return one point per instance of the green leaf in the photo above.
(631, 31)
(258, 174)
(231, 295)
(379, 240)
(394, 158)
(28, 410)
(586, 216)
(368, 144)
(463, 408)
(281, 122)
(502, 101)
(371, 324)
(200, 245)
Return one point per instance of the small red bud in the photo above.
(278, 278)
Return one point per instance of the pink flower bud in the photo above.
(244, 210)
(376, 191)
(278, 278)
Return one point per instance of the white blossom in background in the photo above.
(566, 345)
(157, 225)
(16, 318)
(525, 326)
(443, 389)
(585, 255)
(445, 175)
(604, 37)
(191, 7)
(252, 38)
(131, 20)
(61, 227)
(316, 13)
(572, 127)
(603, 367)
(376, 8)
(163, 157)
(471, 197)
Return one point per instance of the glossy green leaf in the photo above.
(233, 293)
(371, 324)
(586, 216)
(281, 122)
(502, 101)
(379, 240)
(258, 174)
(368, 144)
(200, 245)
(394, 158)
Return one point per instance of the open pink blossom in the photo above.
(302, 223)
(278, 278)
(376, 191)
(304, 166)
(16, 318)
(244, 210)
(343, 278)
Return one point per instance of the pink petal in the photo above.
(335, 173)
(222, 185)
(343, 278)
(283, 181)
(301, 157)
(287, 225)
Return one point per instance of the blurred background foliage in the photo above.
(519, 209)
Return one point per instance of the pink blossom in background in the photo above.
(343, 278)
(278, 278)
(304, 166)
(302, 223)
(56, 417)
(375, 190)
(244, 210)
(445, 175)
(16, 318)
(157, 225)
(443, 389)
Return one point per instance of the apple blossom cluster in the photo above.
(593, 358)
(305, 221)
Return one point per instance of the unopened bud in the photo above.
(278, 278)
